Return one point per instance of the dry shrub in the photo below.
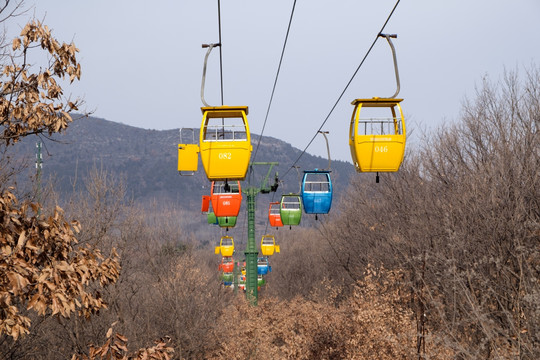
(373, 323)
(116, 348)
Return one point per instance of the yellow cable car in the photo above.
(226, 246)
(268, 245)
(225, 142)
(377, 131)
(377, 143)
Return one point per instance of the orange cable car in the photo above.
(227, 264)
(226, 198)
(274, 214)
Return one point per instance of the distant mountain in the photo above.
(147, 160)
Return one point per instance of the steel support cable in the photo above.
(220, 52)
(344, 90)
(276, 79)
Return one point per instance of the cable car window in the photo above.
(225, 129)
(220, 188)
(291, 203)
(274, 210)
(315, 182)
(379, 121)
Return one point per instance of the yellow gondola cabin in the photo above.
(377, 143)
(225, 142)
(268, 245)
(226, 246)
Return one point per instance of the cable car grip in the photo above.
(204, 46)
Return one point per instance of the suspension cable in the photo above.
(275, 80)
(272, 97)
(220, 52)
(344, 90)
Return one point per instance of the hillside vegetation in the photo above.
(440, 260)
(146, 160)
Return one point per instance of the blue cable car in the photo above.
(316, 191)
(263, 266)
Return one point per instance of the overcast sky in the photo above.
(142, 60)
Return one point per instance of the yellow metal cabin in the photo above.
(225, 142)
(226, 246)
(268, 245)
(377, 143)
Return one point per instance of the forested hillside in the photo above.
(146, 160)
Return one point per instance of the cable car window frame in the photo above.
(308, 185)
(274, 209)
(396, 119)
(267, 240)
(291, 205)
(218, 137)
(227, 241)
(219, 187)
(236, 113)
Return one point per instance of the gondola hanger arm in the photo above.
(388, 37)
(327, 148)
(210, 47)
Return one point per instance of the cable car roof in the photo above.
(376, 101)
(317, 171)
(224, 111)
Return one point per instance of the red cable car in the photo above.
(274, 215)
(226, 198)
(227, 264)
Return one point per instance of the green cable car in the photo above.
(226, 221)
(222, 221)
(227, 277)
(290, 209)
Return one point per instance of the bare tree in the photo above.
(43, 270)
(462, 218)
